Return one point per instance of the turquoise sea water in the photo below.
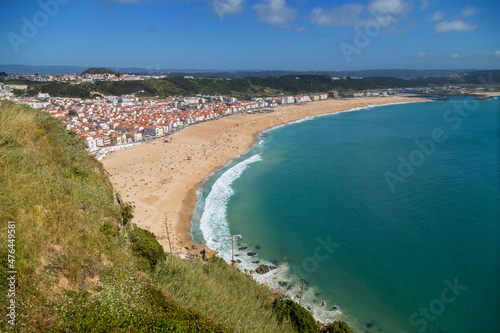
(389, 214)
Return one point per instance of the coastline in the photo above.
(158, 178)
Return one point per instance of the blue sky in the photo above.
(252, 34)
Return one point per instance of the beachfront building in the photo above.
(117, 139)
(301, 99)
(153, 131)
(90, 142)
(133, 137)
(333, 94)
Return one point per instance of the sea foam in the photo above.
(213, 223)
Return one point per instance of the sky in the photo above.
(252, 34)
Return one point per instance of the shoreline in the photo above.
(159, 178)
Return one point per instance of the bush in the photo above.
(146, 247)
(109, 229)
(127, 213)
(337, 327)
(298, 317)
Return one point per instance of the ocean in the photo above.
(388, 217)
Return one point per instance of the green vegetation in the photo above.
(83, 267)
(298, 317)
(126, 212)
(218, 291)
(146, 247)
(337, 327)
(246, 88)
(100, 70)
(60, 89)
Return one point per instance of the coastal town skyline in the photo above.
(253, 35)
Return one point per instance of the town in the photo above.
(107, 123)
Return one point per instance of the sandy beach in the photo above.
(159, 178)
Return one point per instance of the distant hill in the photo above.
(482, 77)
(99, 70)
(255, 86)
(397, 73)
(42, 70)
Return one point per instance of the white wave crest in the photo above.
(213, 223)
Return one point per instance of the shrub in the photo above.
(127, 213)
(109, 229)
(298, 317)
(146, 247)
(337, 327)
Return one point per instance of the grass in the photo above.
(218, 291)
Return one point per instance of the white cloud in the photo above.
(388, 15)
(343, 15)
(424, 4)
(423, 54)
(437, 16)
(391, 14)
(275, 12)
(478, 56)
(223, 8)
(395, 7)
(301, 29)
(487, 53)
(490, 53)
(455, 25)
(468, 11)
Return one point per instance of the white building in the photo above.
(153, 131)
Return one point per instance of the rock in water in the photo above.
(262, 269)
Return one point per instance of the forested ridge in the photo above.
(246, 88)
